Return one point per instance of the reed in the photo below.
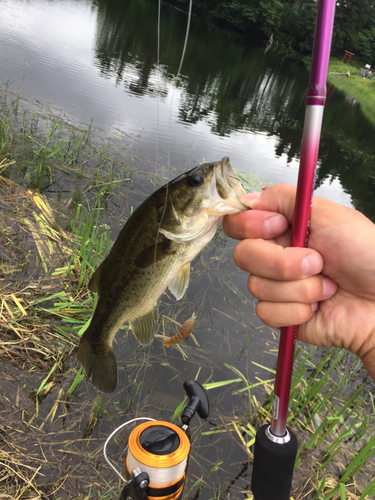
(46, 151)
(93, 240)
(43, 317)
(335, 422)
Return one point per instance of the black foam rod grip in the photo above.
(273, 466)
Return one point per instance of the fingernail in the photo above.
(329, 287)
(312, 264)
(314, 306)
(275, 225)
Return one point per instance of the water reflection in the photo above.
(125, 46)
(231, 87)
(234, 85)
(97, 61)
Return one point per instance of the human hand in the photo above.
(328, 289)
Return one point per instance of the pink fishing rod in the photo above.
(275, 446)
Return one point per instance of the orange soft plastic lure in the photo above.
(182, 333)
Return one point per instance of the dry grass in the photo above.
(32, 244)
(54, 450)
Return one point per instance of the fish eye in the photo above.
(195, 180)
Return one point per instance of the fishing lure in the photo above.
(182, 333)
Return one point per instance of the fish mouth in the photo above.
(228, 186)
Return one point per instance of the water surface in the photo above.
(97, 62)
(92, 61)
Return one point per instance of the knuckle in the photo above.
(309, 291)
(286, 269)
(262, 311)
(286, 189)
(356, 213)
(237, 254)
(303, 313)
(269, 313)
(256, 286)
(242, 255)
(283, 314)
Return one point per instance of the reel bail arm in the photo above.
(136, 489)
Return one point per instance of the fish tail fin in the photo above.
(99, 364)
(144, 327)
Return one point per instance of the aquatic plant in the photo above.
(53, 424)
(334, 422)
(45, 151)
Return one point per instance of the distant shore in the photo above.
(355, 86)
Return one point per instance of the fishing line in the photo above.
(158, 42)
(179, 71)
(170, 108)
(211, 279)
(157, 126)
(165, 469)
(186, 39)
(110, 437)
(212, 275)
(157, 87)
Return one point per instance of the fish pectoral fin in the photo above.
(95, 279)
(99, 364)
(144, 327)
(155, 253)
(180, 282)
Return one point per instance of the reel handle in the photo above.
(198, 401)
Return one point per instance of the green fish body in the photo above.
(152, 252)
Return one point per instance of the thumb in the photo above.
(279, 198)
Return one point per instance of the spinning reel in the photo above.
(158, 452)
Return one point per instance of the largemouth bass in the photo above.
(152, 252)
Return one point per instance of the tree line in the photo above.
(289, 24)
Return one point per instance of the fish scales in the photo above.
(154, 250)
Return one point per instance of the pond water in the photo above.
(96, 62)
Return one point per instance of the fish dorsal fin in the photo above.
(180, 282)
(144, 327)
(95, 279)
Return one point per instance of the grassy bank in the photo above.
(331, 421)
(62, 190)
(362, 89)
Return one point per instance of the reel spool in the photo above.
(161, 450)
(158, 452)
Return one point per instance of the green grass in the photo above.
(362, 89)
(334, 422)
(41, 326)
(93, 240)
(44, 151)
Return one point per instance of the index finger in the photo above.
(255, 224)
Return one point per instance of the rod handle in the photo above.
(273, 465)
